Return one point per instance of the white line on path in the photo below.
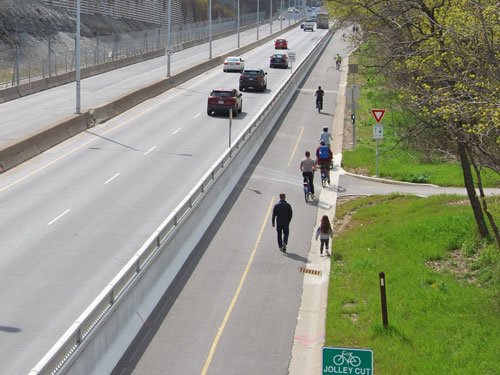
(177, 131)
(60, 216)
(112, 178)
(198, 115)
(150, 150)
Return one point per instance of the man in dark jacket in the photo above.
(282, 215)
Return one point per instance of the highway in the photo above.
(30, 113)
(73, 216)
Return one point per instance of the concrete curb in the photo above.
(309, 337)
(33, 144)
(385, 181)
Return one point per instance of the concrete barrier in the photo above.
(99, 337)
(9, 94)
(17, 152)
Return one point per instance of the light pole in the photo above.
(281, 14)
(238, 13)
(77, 57)
(270, 16)
(258, 1)
(210, 29)
(169, 36)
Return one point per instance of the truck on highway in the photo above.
(309, 25)
(322, 20)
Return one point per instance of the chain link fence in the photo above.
(56, 55)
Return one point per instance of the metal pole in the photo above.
(17, 65)
(383, 299)
(238, 12)
(210, 29)
(281, 14)
(376, 161)
(50, 59)
(230, 124)
(169, 37)
(270, 16)
(289, 16)
(258, 20)
(77, 66)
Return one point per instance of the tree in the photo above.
(443, 58)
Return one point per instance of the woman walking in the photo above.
(324, 233)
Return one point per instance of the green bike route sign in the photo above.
(349, 361)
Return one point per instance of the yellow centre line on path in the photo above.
(296, 145)
(236, 295)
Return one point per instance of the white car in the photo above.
(233, 63)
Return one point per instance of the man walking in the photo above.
(282, 215)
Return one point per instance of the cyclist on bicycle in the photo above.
(338, 61)
(319, 97)
(326, 137)
(324, 158)
(307, 166)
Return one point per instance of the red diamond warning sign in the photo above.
(378, 114)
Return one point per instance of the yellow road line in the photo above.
(296, 145)
(236, 295)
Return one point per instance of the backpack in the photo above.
(324, 152)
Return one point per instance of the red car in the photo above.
(223, 100)
(281, 44)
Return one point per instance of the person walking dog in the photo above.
(282, 215)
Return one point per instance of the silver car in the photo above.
(233, 63)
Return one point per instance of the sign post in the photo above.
(347, 361)
(378, 131)
(291, 57)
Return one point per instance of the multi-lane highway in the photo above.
(72, 217)
(30, 113)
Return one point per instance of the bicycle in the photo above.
(325, 178)
(338, 63)
(307, 190)
(348, 358)
(319, 104)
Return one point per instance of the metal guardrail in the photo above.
(76, 335)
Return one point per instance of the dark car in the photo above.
(223, 99)
(278, 60)
(253, 78)
(281, 44)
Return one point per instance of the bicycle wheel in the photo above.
(306, 194)
(355, 361)
(338, 360)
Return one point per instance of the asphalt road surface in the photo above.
(73, 216)
(233, 307)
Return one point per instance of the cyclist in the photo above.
(307, 166)
(319, 98)
(338, 61)
(324, 158)
(326, 137)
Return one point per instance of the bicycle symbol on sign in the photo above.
(348, 358)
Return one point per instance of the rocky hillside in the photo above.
(27, 21)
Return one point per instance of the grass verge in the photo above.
(443, 294)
